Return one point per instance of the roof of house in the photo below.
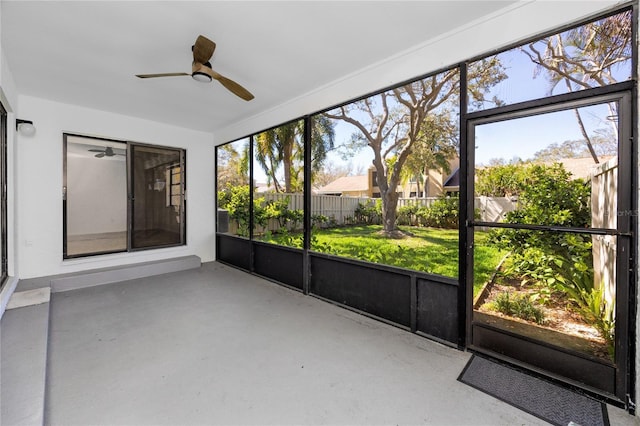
(453, 180)
(346, 184)
(581, 168)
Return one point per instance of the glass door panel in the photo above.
(558, 168)
(95, 196)
(158, 206)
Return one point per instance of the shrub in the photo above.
(407, 214)
(442, 213)
(553, 261)
(518, 306)
(571, 273)
(279, 210)
(369, 213)
(236, 201)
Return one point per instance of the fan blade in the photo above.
(100, 155)
(167, 74)
(235, 88)
(203, 49)
(96, 150)
(231, 85)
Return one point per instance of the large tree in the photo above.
(282, 150)
(392, 123)
(588, 56)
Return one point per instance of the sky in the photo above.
(523, 137)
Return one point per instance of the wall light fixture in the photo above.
(25, 127)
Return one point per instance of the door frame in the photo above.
(543, 359)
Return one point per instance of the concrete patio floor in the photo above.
(215, 345)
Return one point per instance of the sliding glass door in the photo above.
(121, 196)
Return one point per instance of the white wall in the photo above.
(40, 172)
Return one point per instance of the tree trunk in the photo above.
(389, 205)
(586, 137)
(287, 161)
(425, 182)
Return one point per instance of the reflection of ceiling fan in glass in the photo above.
(107, 152)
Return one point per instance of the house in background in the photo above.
(349, 186)
(438, 182)
(583, 167)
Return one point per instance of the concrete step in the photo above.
(23, 350)
(94, 277)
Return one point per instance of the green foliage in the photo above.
(279, 210)
(547, 193)
(233, 164)
(236, 201)
(552, 261)
(286, 238)
(568, 271)
(499, 181)
(547, 196)
(442, 213)
(429, 250)
(597, 312)
(550, 196)
(407, 214)
(369, 213)
(435, 145)
(320, 221)
(518, 306)
(282, 149)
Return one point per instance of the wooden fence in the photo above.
(341, 210)
(604, 214)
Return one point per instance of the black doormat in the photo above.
(550, 402)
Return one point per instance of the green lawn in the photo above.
(431, 250)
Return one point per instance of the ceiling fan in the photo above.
(201, 69)
(107, 152)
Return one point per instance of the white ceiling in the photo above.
(87, 53)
